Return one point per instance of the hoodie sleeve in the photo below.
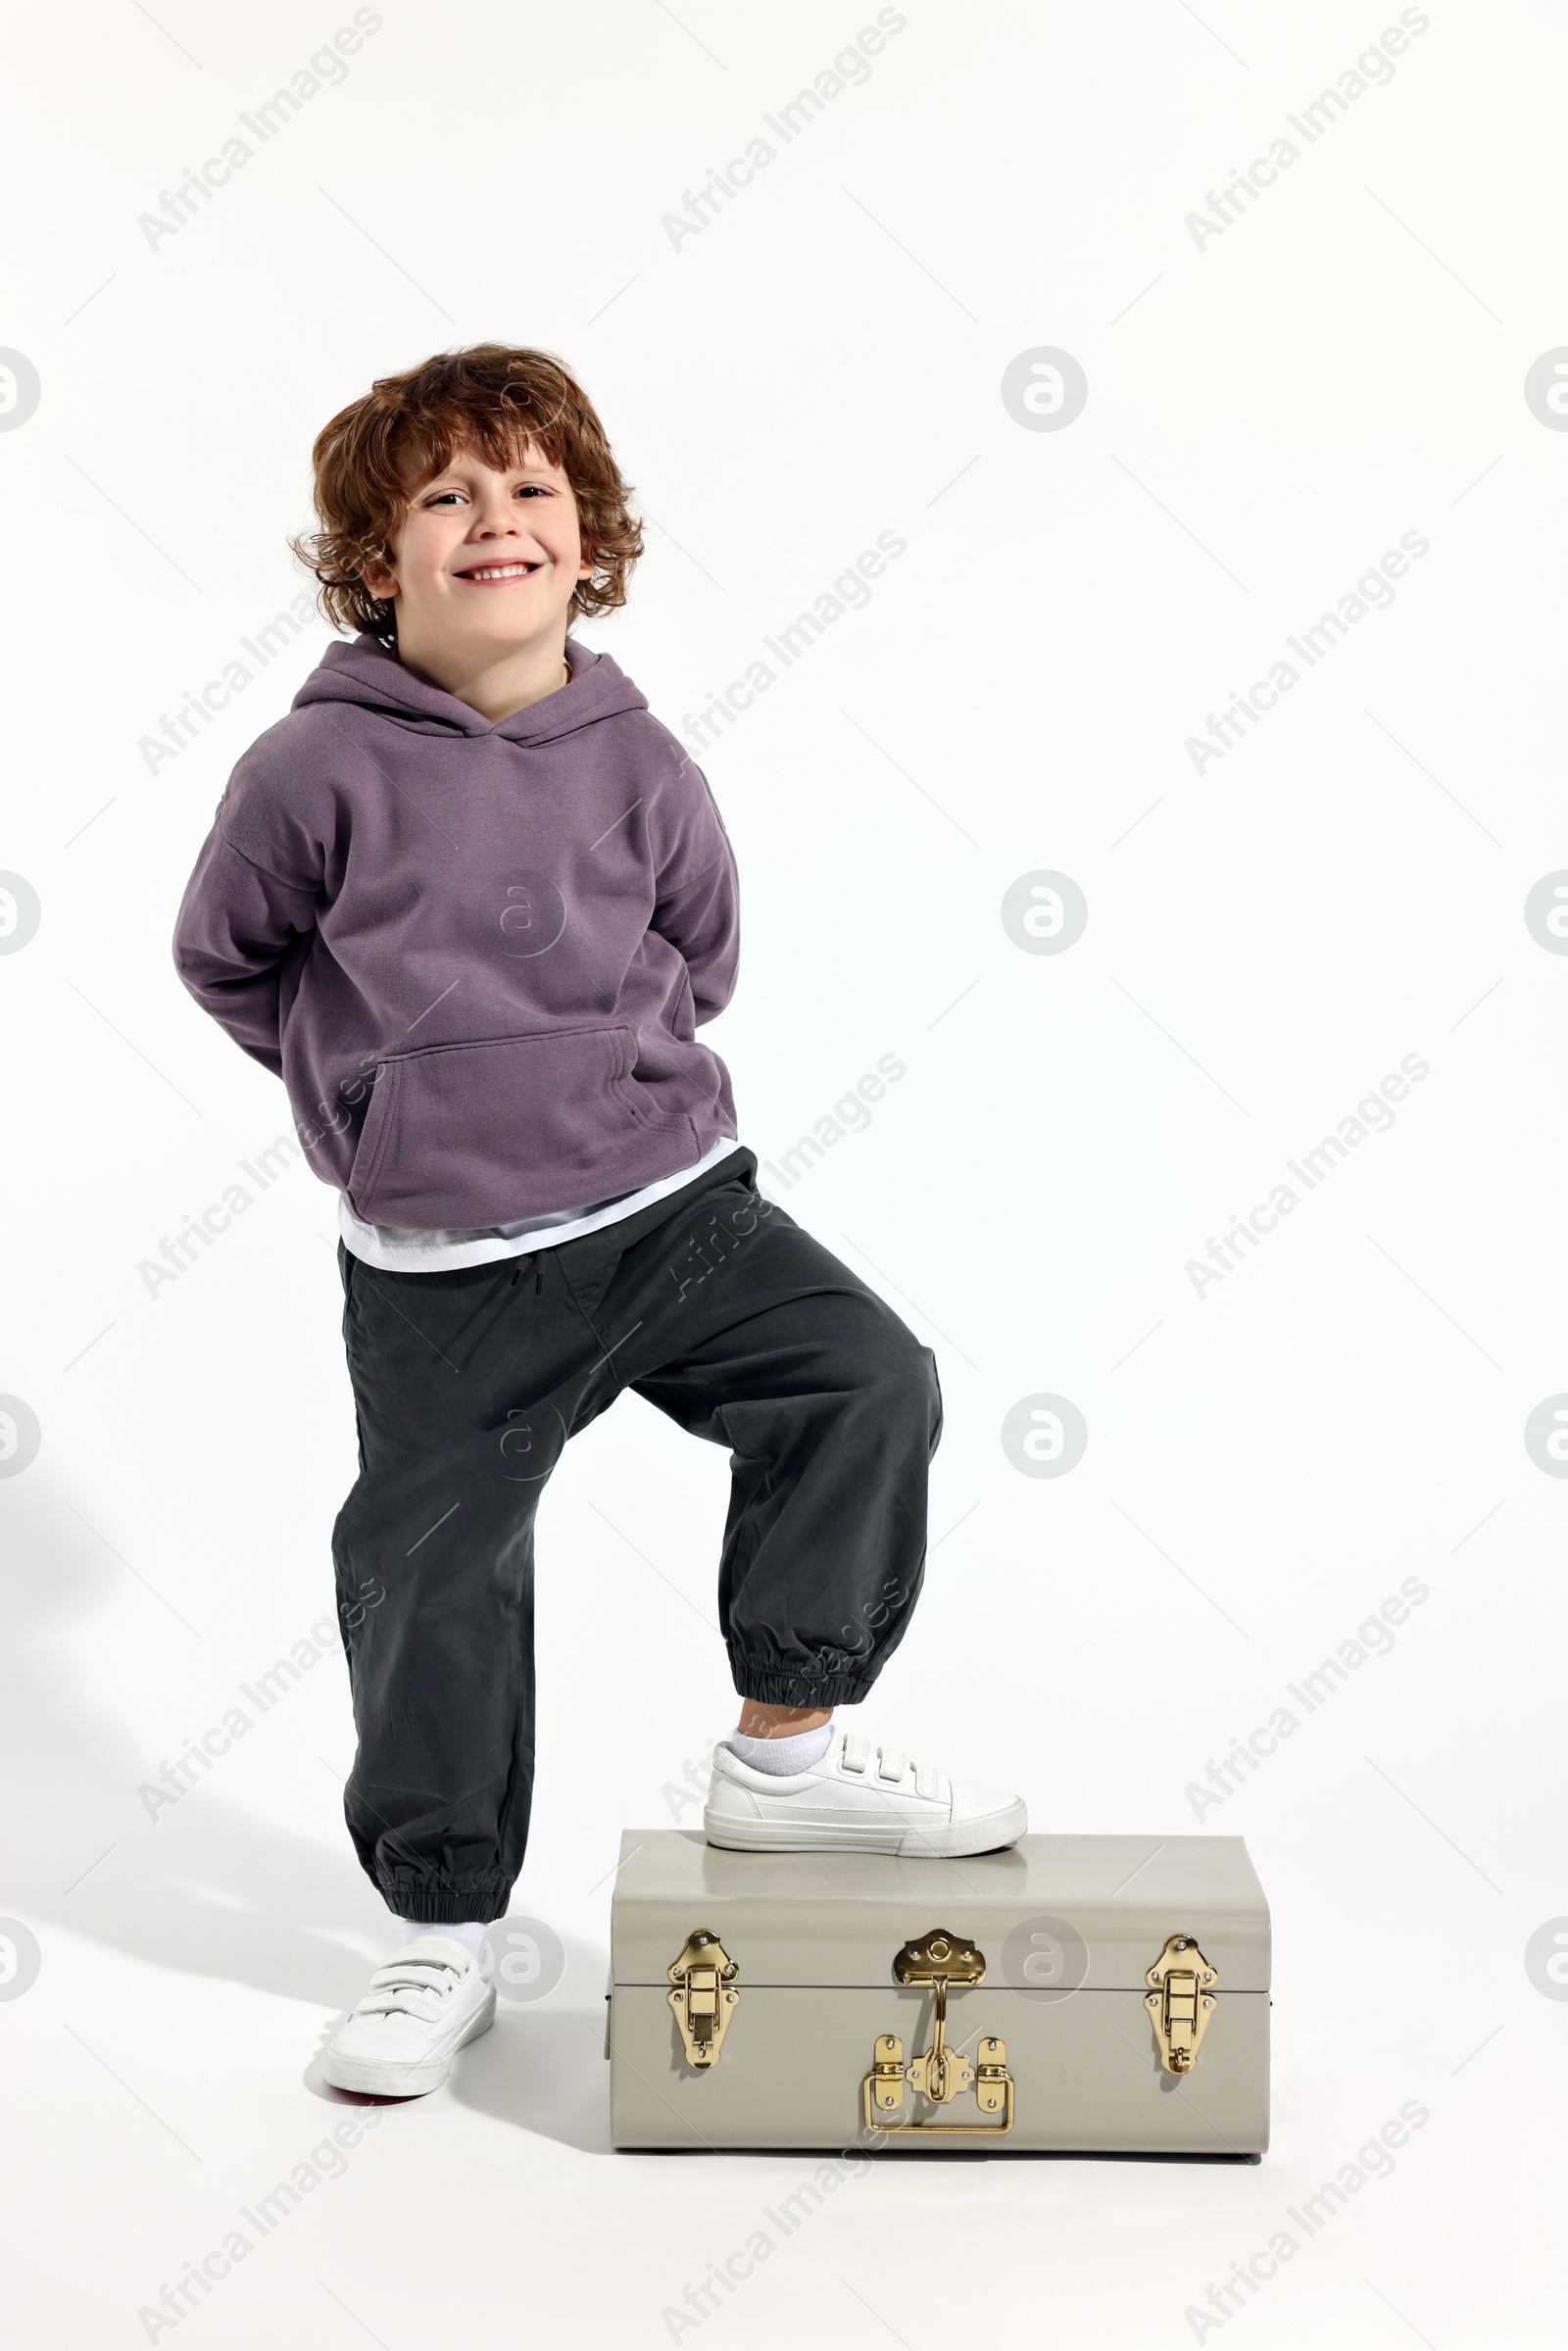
(698, 907)
(246, 912)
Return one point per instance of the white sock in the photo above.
(469, 1932)
(783, 1755)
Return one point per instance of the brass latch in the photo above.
(702, 1998)
(1180, 2004)
(941, 2073)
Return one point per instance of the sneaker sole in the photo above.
(388, 2077)
(949, 1843)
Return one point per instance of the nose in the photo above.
(496, 516)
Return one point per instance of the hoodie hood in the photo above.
(371, 676)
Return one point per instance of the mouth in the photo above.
(497, 575)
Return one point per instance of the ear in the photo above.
(378, 576)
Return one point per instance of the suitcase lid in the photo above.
(1050, 1916)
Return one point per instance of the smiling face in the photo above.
(484, 563)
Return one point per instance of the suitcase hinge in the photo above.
(1181, 2003)
(702, 1998)
(941, 2073)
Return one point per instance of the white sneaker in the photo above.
(423, 2003)
(856, 1798)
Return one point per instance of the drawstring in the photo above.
(539, 1272)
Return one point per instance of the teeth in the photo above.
(496, 572)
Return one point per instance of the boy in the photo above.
(471, 902)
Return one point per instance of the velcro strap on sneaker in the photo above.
(404, 2000)
(931, 1784)
(412, 1962)
(857, 1751)
(892, 1763)
(413, 1986)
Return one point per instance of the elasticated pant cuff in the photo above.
(793, 1685)
(445, 1905)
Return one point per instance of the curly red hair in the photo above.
(495, 398)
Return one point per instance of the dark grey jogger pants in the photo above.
(715, 1305)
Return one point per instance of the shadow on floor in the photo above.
(208, 1888)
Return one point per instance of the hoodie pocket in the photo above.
(501, 1127)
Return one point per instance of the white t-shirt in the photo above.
(397, 1249)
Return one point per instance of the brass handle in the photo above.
(940, 2073)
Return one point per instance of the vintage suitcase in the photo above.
(1097, 1993)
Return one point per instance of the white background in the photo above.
(1267, 413)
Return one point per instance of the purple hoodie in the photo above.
(475, 955)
